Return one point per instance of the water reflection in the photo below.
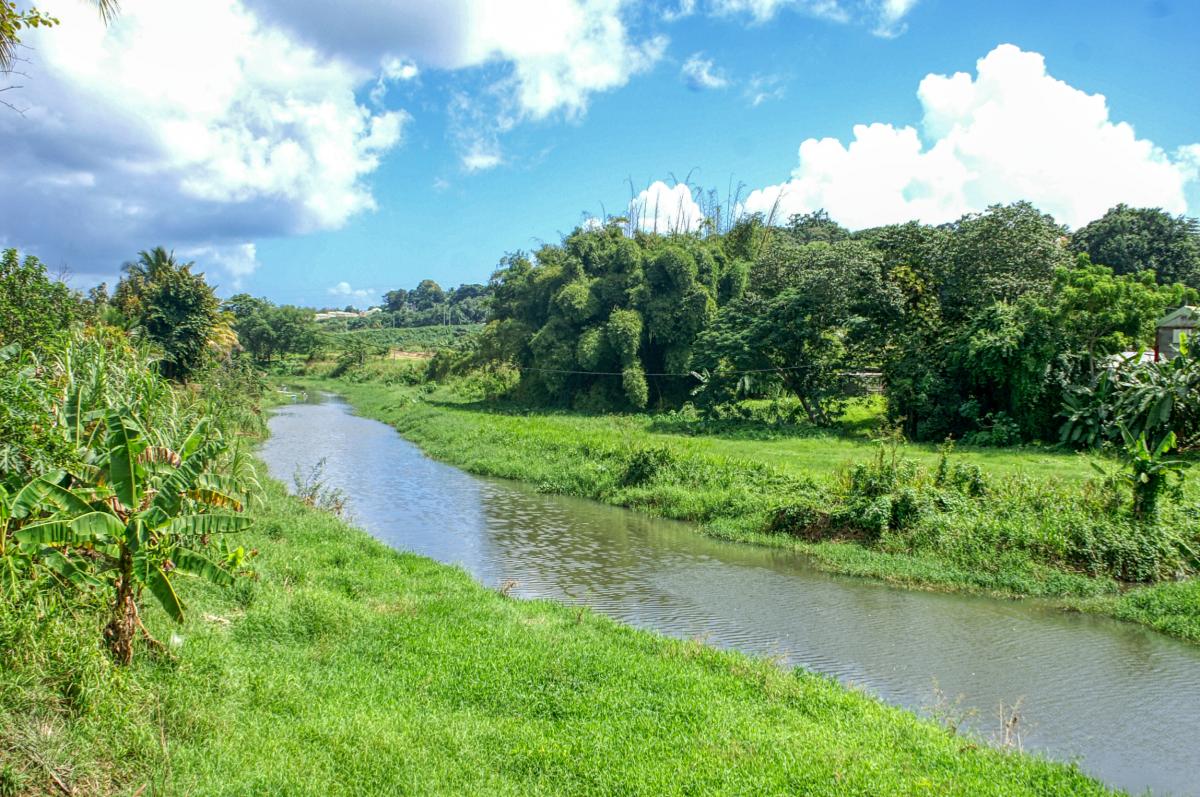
(1123, 701)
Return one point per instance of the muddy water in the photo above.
(1122, 701)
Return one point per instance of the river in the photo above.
(1121, 700)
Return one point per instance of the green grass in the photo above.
(1173, 608)
(347, 668)
(413, 339)
(1023, 541)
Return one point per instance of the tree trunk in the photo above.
(121, 628)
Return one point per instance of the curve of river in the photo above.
(1121, 700)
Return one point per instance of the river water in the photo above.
(1121, 700)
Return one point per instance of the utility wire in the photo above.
(689, 373)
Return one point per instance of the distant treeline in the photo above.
(985, 328)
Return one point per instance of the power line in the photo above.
(689, 373)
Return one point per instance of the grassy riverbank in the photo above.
(348, 668)
(1032, 536)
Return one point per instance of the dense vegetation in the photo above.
(125, 471)
(979, 329)
(994, 331)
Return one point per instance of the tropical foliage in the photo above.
(114, 480)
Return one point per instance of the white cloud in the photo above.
(346, 291)
(1012, 132)
(683, 10)
(664, 209)
(891, 13)
(557, 52)
(237, 260)
(699, 73)
(208, 125)
(186, 124)
(763, 88)
(392, 70)
(886, 17)
(763, 10)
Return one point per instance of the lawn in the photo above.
(346, 668)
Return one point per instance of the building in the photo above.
(1172, 328)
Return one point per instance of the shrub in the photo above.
(645, 463)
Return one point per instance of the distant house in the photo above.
(1172, 328)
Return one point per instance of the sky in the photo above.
(323, 153)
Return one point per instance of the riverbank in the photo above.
(987, 548)
(346, 667)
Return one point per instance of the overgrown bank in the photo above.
(938, 522)
(386, 673)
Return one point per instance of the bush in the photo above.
(645, 463)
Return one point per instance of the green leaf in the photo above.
(162, 589)
(192, 562)
(122, 459)
(195, 439)
(69, 570)
(87, 529)
(185, 476)
(44, 492)
(207, 524)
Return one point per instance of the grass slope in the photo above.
(349, 669)
(731, 482)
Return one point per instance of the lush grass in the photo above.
(1038, 533)
(349, 668)
(1173, 608)
(410, 339)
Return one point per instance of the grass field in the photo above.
(410, 339)
(346, 668)
(728, 479)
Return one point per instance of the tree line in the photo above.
(986, 328)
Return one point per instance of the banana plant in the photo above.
(132, 517)
(1149, 466)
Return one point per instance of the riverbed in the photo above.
(1120, 699)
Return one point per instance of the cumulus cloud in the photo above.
(700, 73)
(188, 124)
(236, 260)
(664, 209)
(1010, 132)
(345, 290)
(558, 51)
(207, 125)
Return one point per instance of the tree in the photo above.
(606, 319)
(1130, 240)
(1100, 313)
(395, 301)
(176, 308)
(426, 295)
(816, 226)
(268, 331)
(999, 256)
(33, 307)
(804, 322)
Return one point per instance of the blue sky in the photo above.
(338, 212)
